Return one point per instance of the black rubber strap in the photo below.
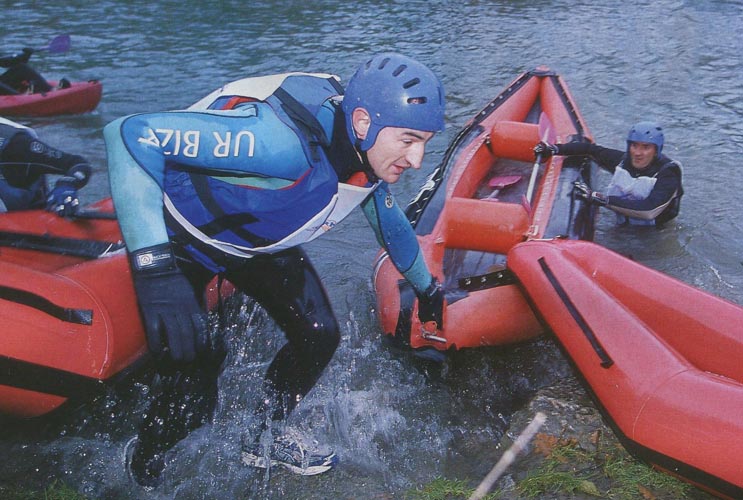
(606, 361)
(89, 249)
(30, 299)
(39, 378)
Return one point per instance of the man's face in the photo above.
(396, 150)
(641, 154)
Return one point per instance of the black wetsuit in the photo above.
(24, 161)
(20, 77)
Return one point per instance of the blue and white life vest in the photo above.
(624, 186)
(274, 122)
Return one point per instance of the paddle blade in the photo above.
(59, 44)
(546, 130)
(504, 180)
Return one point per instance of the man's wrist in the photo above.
(153, 260)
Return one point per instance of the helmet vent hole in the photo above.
(399, 70)
(411, 83)
(383, 62)
(417, 100)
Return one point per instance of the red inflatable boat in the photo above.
(486, 196)
(661, 358)
(79, 97)
(68, 313)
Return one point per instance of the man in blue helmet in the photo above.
(232, 186)
(646, 186)
(25, 163)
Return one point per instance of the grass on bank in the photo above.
(55, 491)
(569, 470)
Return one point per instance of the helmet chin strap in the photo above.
(365, 165)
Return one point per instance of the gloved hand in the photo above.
(545, 150)
(63, 198)
(582, 191)
(431, 304)
(174, 322)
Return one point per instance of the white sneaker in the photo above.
(290, 454)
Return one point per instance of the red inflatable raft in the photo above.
(68, 313)
(79, 97)
(486, 196)
(661, 358)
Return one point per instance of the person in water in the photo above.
(21, 78)
(232, 187)
(645, 188)
(25, 162)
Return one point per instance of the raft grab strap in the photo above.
(30, 299)
(46, 380)
(88, 249)
(485, 281)
(606, 360)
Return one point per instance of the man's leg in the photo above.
(290, 290)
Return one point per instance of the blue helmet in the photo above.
(396, 91)
(649, 132)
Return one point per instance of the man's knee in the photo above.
(324, 334)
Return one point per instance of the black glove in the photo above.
(582, 191)
(544, 150)
(173, 320)
(431, 304)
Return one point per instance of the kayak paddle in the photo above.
(499, 183)
(546, 134)
(59, 44)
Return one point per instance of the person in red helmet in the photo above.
(233, 186)
(646, 185)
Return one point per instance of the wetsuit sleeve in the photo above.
(606, 158)
(137, 193)
(396, 235)
(26, 159)
(667, 187)
(251, 143)
(21, 58)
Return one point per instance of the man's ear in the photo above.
(361, 122)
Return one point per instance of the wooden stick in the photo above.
(509, 456)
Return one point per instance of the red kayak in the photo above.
(69, 319)
(79, 97)
(661, 358)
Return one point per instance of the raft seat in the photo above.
(514, 140)
(487, 226)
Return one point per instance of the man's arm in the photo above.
(606, 158)
(25, 158)
(396, 235)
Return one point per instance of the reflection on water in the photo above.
(394, 424)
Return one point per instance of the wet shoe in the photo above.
(288, 453)
(145, 471)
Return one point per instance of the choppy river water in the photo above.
(394, 424)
